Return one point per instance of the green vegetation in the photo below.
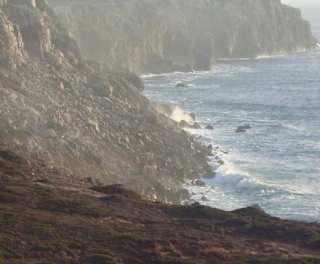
(40, 230)
(4, 253)
(7, 220)
(70, 206)
(170, 260)
(99, 258)
(285, 261)
(314, 241)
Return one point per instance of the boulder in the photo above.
(243, 128)
(196, 126)
(199, 183)
(204, 199)
(181, 85)
(185, 124)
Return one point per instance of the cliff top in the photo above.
(182, 35)
(45, 216)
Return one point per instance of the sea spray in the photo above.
(276, 164)
(179, 115)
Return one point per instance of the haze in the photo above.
(301, 3)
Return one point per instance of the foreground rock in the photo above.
(49, 217)
(82, 117)
(182, 35)
(243, 128)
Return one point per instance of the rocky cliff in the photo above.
(170, 35)
(81, 117)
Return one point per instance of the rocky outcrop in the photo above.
(80, 116)
(42, 34)
(182, 35)
(11, 45)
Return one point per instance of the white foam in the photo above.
(179, 115)
(294, 127)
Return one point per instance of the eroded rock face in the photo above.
(181, 35)
(80, 116)
(41, 32)
(11, 45)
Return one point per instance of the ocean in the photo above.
(275, 164)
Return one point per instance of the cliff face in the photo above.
(162, 36)
(92, 122)
(11, 45)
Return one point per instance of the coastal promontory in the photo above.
(182, 35)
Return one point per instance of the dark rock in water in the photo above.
(196, 126)
(193, 116)
(204, 199)
(219, 161)
(209, 127)
(181, 85)
(243, 128)
(210, 150)
(185, 124)
(199, 183)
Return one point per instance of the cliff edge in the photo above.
(182, 35)
(82, 117)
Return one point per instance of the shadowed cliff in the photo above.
(182, 35)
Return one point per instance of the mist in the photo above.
(159, 131)
(301, 3)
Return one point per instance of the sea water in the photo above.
(276, 164)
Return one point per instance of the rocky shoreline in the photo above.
(91, 172)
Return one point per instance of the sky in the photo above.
(302, 3)
(310, 10)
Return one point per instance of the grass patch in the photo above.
(5, 254)
(7, 220)
(40, 230)
(285, 261)
(69, 206)
(314, 241)
(102, 259)
(170, 260)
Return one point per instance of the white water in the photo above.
(276, 164)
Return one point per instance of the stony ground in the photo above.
(85, 118)
(46, 217)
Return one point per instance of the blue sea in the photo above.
(276, 164)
